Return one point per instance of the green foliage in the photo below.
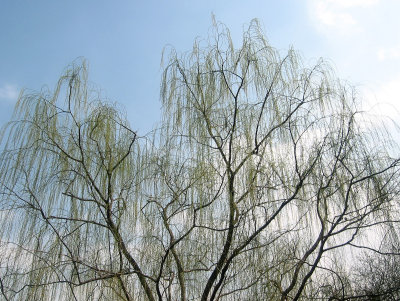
(261, 176)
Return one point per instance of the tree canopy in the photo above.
(264, 180)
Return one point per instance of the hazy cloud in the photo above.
(9, 92)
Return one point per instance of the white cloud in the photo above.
(353, 3)
(384, 100)
(332, 17)
(9, 92)
(337, 14)
(388, 53)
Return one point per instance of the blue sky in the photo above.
(123, 40)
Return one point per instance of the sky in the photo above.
(123, 40)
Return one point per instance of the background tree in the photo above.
(261, 177)
(376, 274)
(378, 277)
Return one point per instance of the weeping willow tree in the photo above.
(262, 177)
